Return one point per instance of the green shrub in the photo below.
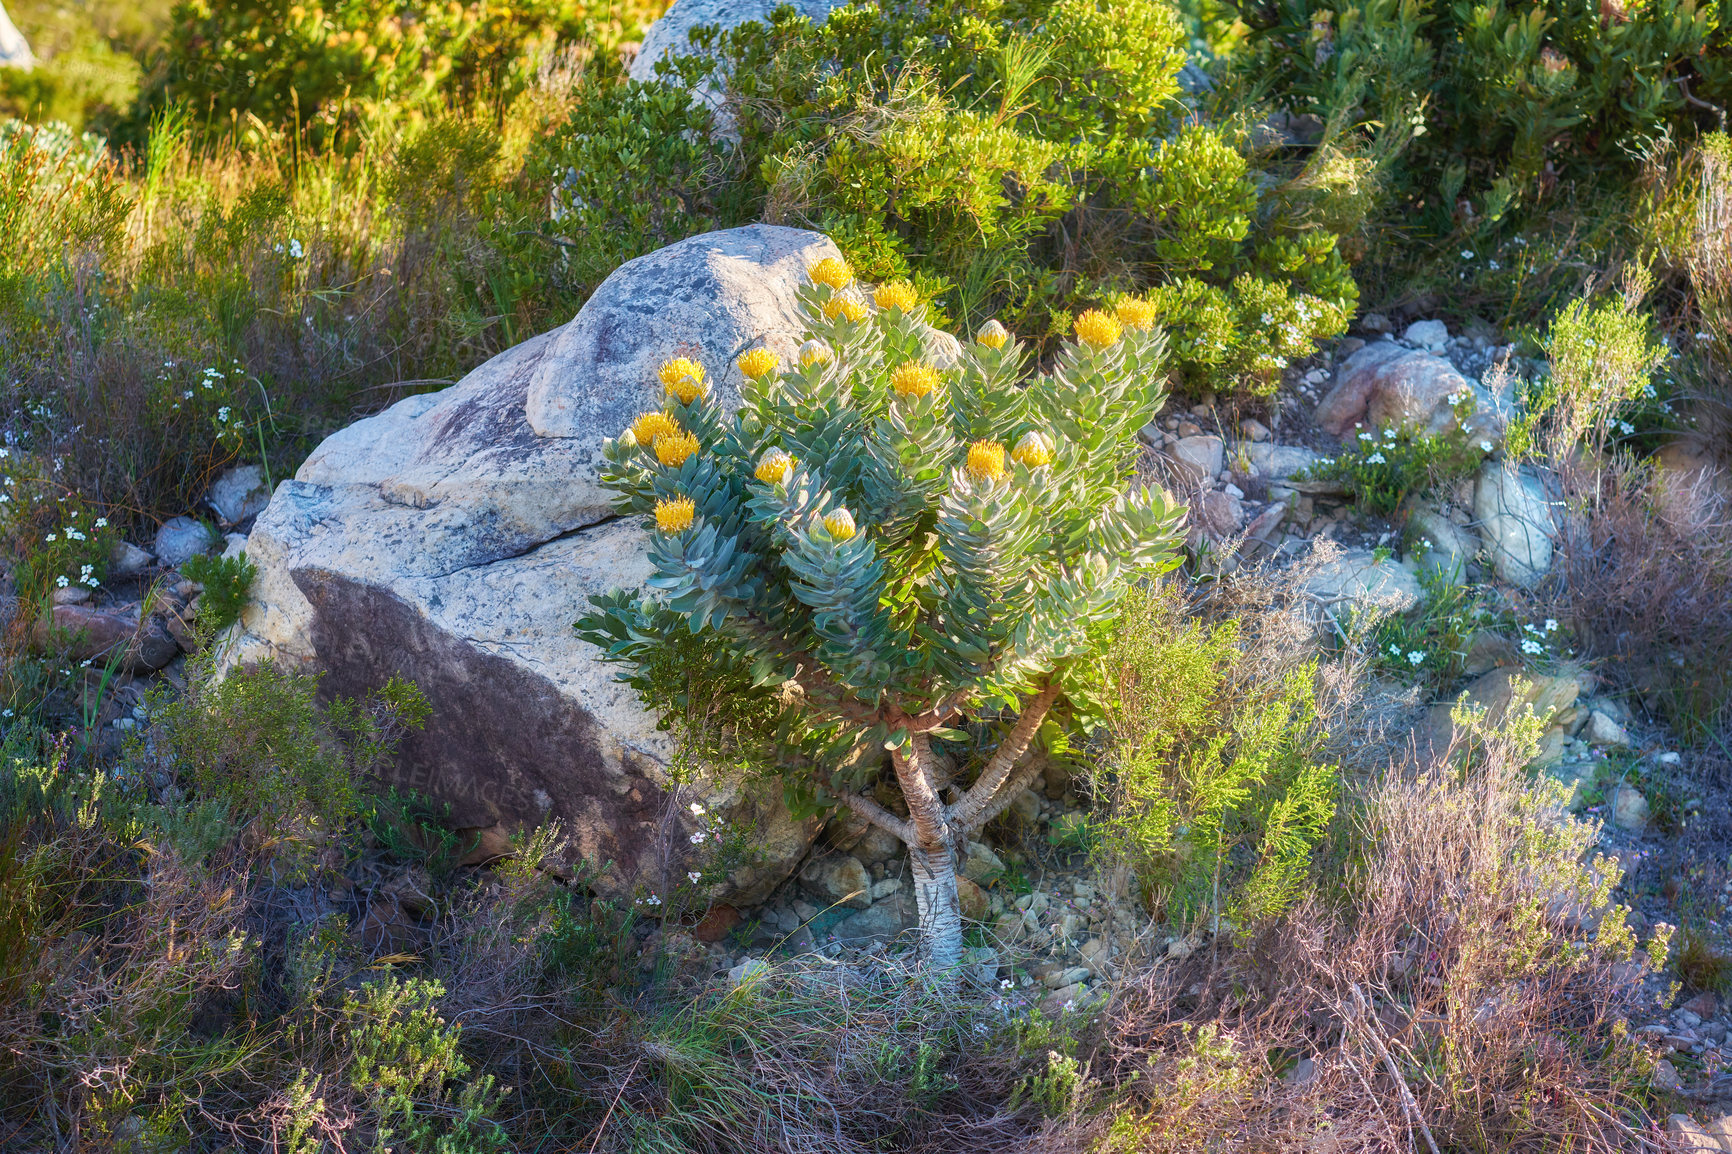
(1219, 797)
(330, 67)
(226, 582)
(258, 743)
(1019, 162)
(1495, 104)
(906, 547)
(1382, 472)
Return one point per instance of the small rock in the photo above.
(1721, 1131)
(1440, 546)
(1201, 456)
(1358, 581)
(1515, 521)
(877, 846)
(717, 923)
(1026, 807)
(70, 595)
(1219, 515)
(1432, 335)
(972, 899)
(746, 971)
(1092, 948)
(883, 921)
(1670, 758)
(1065, 998)
(1629, 808)
(1687, 1137)
(838, 879)
(980, 965)
(1150, 435)
(1279, 462)
(1254, 429)
(1188, 429)
(1069, 976)
(127, 560)
(234, 544)
(1704, 1005)
(238, 494)
(885, 888)
(1181, 949)
(982, 865)
(1602, 730)
(181, 538)
(1666, 1076)
(1375, 323)
(1686, 1018)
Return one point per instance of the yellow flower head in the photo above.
(672, 449)
(832, 272)
(986, 461)
(1137, 313)
(759, 362)
(684, 378)
(850, 307)
(815, 352)
(840, 524)
(913, 379)
(649, 426)
(1033, 450)
(993, 335)
(1097, 330)
(774, 467)
(675, 516)
(896, 294)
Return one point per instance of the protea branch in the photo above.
(912, 545)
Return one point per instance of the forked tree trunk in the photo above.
(935, 833)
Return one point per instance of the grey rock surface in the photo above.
(450, 541)
(239, 493)
(1515, 521)
(1357, 582)
(1385, 385)
(181, 539)
(14, 49)
(670, 35)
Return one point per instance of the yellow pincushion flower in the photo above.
(684, 378)
(993, 335)
(913, 379)
(675, 516)
(815, 352)
(986, 461)
(840, 524)
(1137, 313)
(672, 449)
(853, 309)
(774, 467)
(1033, 450)
(1097, 330)
(649, 426)
(759, 362)
(832, 272)
(898, 295)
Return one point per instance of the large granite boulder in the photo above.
(454, 538)
(14, 49)
(1384, 385)
(670, 35)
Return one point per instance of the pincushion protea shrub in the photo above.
(900, 546)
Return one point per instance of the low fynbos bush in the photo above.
(1382, 470)
(226, 581)
(1018, 168)
(1220, 791)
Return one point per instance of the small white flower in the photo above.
(1704, 337)
(1532, 647)
(102, 522)
(1003, 983)
(1415, 658)
(223, 413)
(697, 810)
(1366, 437)
(1531, 627)
(1492, 265)
(1467, 254)
(5, 713)
(53, 537)
(1395, 650)
(652, 900)
(698, 838)
(63, 581)
(1374, 459)
(694, 875)
(1485, 446)
(1551, 625)
(295, 249)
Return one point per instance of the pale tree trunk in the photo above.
(936, 833)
